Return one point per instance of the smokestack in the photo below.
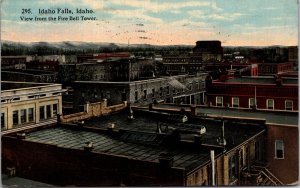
(212, 158)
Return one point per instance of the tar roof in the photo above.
(277, 117)
(7, 85)
(77, 139)
(261, 80)
(148, 121)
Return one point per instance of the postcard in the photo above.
(149, 93)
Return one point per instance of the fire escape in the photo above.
(259, 175)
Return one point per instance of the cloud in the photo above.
(196, 13)
(137, 14)
(225, 16)
(187, 23)
(158, 6)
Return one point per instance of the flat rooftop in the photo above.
(76, 139)
(148, 121)
(9, 85)
(136, 139)
(29, 71)
(271, 116)
(21, 182)
(261, 80)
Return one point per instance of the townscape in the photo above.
(108, 93)
(179, 118)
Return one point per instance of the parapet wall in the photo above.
(93, 110)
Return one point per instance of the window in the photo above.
(30, 114)
(288, 105)
(279, 149)
(136, 96)
(235, 102)
(153, 92)
(232, 168)
(241, 154)
(257, 150)
(42, 112)
(252, 103)
(16, 99)
(145, 94)
(168, 90)
(15, 117)
(270, 104)
(42, 95)
(48, 111)
(160, 91)
(23, 116)
(219, 101)
(31, 97)
(2, 121)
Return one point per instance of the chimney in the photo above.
(278, 81)
(150, 106)
(193, 110)
(166, 160)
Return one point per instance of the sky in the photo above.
(169, 22)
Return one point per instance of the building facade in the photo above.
(188, 89)
(279, 146)
(254, 92)
(25, 104)
(115, 156)
(274, 68)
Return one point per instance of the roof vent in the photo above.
(130, 116)
(21, 136)
(88, 146)
(179, 118)
(202, 130)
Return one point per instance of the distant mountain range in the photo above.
(77, 45)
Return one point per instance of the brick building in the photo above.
(124, 69)
(280, 152)
(274, 68)
(102, 56)
(254, 92)
(29, 75)
(14, 62)
(160, 152)
(208, 51)
(188, 89)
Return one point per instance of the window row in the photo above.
(235, 102)
(167, 89)
(23, 116)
